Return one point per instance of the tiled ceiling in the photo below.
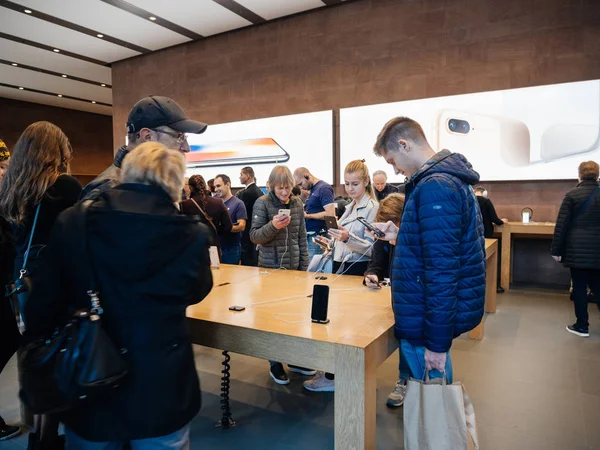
(59, 52)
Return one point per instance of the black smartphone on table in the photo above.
(320, 304)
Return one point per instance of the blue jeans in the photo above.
(179, 440)
(231, 255)
(313, 249)
(414, 363)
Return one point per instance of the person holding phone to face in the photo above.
(278, 227)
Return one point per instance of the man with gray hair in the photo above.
(382, 188)
(153, 118)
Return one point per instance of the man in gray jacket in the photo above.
(153, 118)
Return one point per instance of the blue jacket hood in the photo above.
(453, 164)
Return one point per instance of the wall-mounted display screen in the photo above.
(536, 133)
(299, 140)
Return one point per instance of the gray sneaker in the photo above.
(396, 397)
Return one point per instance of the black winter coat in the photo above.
(381, 260)
(488, 216)
(578, 240)
(151, 263)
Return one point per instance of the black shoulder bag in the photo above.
(18, 291)
(76, 363)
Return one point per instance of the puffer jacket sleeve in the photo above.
(262, 230)
(440, 211)
(303, 245)
(562, 226)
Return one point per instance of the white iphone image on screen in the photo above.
(488, 142)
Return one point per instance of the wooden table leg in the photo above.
(355, 399)
(506, 258)
(491, 283)
(477, 332)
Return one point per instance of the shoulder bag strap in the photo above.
(204, 214)
(35, 219)
(587, 203)
(92, 283)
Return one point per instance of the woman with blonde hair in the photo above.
(352, 243)
(35, 189)
(150, 263)
(281, 238)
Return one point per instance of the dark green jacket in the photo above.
(279, 248)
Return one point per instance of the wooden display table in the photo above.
(512, 230)
(276, 325)
(491, 279)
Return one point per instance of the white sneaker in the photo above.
(396, 397)
(320, 384)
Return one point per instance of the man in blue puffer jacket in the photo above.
(438, 271)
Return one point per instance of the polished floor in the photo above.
(534, 387)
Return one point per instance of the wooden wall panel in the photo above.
(375, 51)
(90, 134)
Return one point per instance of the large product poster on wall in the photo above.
(537, 133)
(299, 140)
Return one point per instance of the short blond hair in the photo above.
(154, 164)
(281, 176)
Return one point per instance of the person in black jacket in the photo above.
(9, 333)
(390, 209)
(152, 119)
(249, 195)
(37, 176)
(151, 263)
(488, 212)
(211, 210)
(576, 241)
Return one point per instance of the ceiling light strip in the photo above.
(241, 11)
(53, 94)
(132, 9)
(56, 74)
(20, 40)
(72, 26)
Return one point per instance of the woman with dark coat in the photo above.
(576, 241)
(9, 333)
(150, 262)
(217, 214)
(37, 177)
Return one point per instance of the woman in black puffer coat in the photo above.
(576, 241)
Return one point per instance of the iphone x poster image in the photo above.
(535, 133)
(298, 140)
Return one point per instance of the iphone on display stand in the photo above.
(484, 140)
(250, 151)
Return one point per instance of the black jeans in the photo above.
(582, 278)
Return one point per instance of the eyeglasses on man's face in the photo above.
(180, 137)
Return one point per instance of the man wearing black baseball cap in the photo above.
(153, 118)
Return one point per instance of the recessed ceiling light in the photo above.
(64, 76)
(60, 95)
(57, 50)
(152, 18)
(100, 35)
(103, 85)
(14, 64)
(27, 11)
(21, 88)
(93, 101)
